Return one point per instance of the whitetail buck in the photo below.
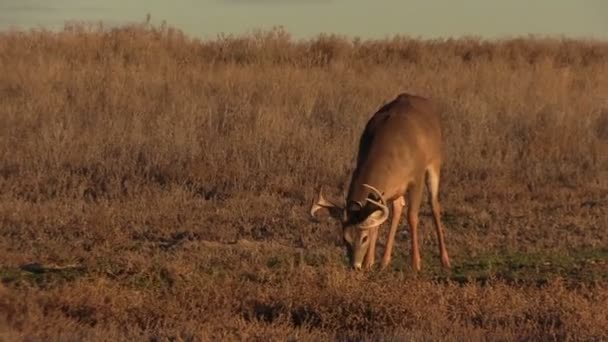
(400, 149)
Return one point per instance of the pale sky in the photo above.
(306, 18)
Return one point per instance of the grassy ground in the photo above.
(157, 187)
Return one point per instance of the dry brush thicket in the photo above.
(140, 155)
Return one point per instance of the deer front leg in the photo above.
(412, 216)
(398, 205)
(370, 257)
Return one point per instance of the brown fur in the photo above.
(397, 145)
(401, 143)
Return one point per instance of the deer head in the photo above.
(357, 219)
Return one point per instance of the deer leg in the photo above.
(398, 205)
(370, 257)
(415, 197)
(433, 187)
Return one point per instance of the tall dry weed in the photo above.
(150, 103)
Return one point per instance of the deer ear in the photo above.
(352, 209)
(336, 213)
(354, 206)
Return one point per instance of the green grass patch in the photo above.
(575, 266)
(589, 265)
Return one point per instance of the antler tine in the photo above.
(319, 201)
(376, 191)
(374, 222)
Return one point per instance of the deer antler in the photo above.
(321, 202)
(379, 216)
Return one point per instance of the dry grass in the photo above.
(132, 159)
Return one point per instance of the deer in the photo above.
(399, 151)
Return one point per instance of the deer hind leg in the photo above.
(398, 205)
(432, 182)
(415, 197)
(370, 257)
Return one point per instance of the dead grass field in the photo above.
(156, 187)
